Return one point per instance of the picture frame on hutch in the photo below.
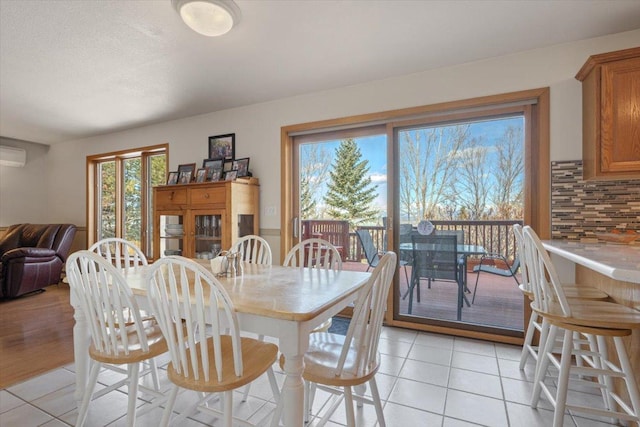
(172, 178)
(201, 175)
(242, 166)
(214, 174)
(222, 146)
(186, 172)
(213, 163)
(231, 175)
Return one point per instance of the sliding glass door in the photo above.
(465, 180)
(341, 187)
(467, 169)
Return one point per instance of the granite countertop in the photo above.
(617, 261)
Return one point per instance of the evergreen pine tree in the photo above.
(350, 192)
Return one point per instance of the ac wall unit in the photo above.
(11, 156)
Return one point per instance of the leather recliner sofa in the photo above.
(32, 256)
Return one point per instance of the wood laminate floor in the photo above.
(36, 334)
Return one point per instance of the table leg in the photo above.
(292, 394)
(80, 353)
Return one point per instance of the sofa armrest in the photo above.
(29, 255)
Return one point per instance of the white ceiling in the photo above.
(71, 69)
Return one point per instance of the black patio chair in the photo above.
(435, 258)
(372, 254)
(510, 271)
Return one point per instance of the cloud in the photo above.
(378, 178)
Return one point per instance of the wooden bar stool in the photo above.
(529, 349)
(598, 320)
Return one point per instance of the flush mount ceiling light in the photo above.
(208, 17)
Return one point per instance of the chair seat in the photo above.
(586, 292)
(573, 291)
(321, 359)
(324, 326)
(493, 270)
(527, 292)
(593, 313)
(257, 357)
(155, 340)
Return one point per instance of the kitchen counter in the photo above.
(616, 261)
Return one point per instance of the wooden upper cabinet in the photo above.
(611, 115)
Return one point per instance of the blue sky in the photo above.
(373, 148)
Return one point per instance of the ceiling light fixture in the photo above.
(208, 17)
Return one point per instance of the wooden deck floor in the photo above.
(499, 303)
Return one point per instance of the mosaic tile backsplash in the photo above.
(580, 208)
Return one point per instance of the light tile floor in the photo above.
(425, 380)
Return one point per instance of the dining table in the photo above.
(282, 302)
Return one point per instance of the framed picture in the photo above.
(187, 167)
(185, 177)
(201, 175)
(222, 146)
(172, 178)
(182, 172)
(214, 174)
(213, 163)
(228, 165)
(230, 175)
(242, 166)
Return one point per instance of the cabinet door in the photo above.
(171, 227)
(620, 116)
(207, 235)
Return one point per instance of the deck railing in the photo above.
(495, 236)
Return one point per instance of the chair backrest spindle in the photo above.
(253, 249)
(368, 314)
(182, 289)
(314, 253)
(545, 283)
(105, 297)
(123, 254)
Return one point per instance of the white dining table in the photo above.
(282, 302)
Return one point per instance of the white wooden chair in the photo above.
(193, 310)
(122, 253)
(253, 249)
(336, 363)
(127, 257)
(314, 253)
(107, 302)
(599, 320)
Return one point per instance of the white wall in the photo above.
(257, 127)
(23, 190)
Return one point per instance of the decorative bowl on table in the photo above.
(619, 236)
